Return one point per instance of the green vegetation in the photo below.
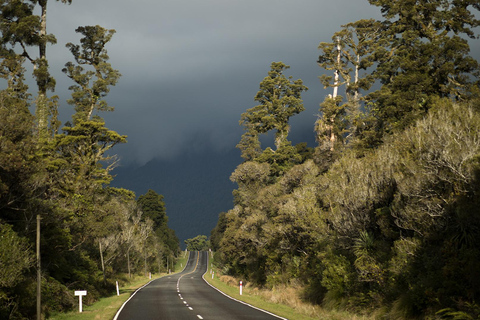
(90, 232)
(283, 301)
(199, 243)
(382, 218)
(106, 308)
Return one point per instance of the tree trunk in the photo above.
(128, 263)
(39, 272)
(333, 137)
(337, 73)
(101, 259)
(41, 105)
(145, 257)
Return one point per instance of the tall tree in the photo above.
(85, 143)
(88, 94)
(21, 28)
(279, 99)
(153, 207)
(351, 51)
(426, 58)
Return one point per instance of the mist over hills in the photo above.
(196, 188)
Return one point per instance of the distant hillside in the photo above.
(196, 188)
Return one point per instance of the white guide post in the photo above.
(241, 287)
(80, 294)
(118, 291)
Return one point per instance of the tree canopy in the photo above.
(383, 217)
(91, 233)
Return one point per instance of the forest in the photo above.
(382, 216)
(62, 227)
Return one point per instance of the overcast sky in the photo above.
(191, 67)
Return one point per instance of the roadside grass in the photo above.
(106, 308)
(282, 301)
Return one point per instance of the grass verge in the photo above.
(106, 308)
(282, 301)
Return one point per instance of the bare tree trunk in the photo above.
(41, 104)
(145, 257)
(337, 73)
(101, 259)
(333, 137)
(128, 263)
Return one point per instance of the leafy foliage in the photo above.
(199, 243)
(385, 215)
(90, 233)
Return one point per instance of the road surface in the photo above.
(185, 296)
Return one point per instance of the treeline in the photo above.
(59, 175)
(383, 215)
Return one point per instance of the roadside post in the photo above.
(241, 287)
(80, 294)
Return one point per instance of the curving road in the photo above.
(185, 296)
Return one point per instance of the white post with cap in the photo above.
(80, 294)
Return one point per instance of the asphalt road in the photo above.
(185, 296)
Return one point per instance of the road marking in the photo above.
(199, 316)
(239, 301)
(190, 308)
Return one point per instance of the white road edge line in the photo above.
(242, 302)
(123, 305)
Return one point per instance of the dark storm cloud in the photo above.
(190, 68)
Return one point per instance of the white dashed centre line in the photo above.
(199, 316)
(190, 308)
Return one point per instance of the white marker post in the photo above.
(118, 291)
(241, 287)
(80, 294)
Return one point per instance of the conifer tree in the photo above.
(351, 51)
(21, 28)
(426, 58)
(86, 142)
(92, 63)
(279, 99)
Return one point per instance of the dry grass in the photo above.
(231, 281)
(289, 295)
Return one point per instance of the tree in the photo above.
(217, 232)
(352, 50)
(16, 258)
(153, 207)
(86, 96)
(199, 243)
(424, 59)
(279, 99)
(84, 145)
(20, 27)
